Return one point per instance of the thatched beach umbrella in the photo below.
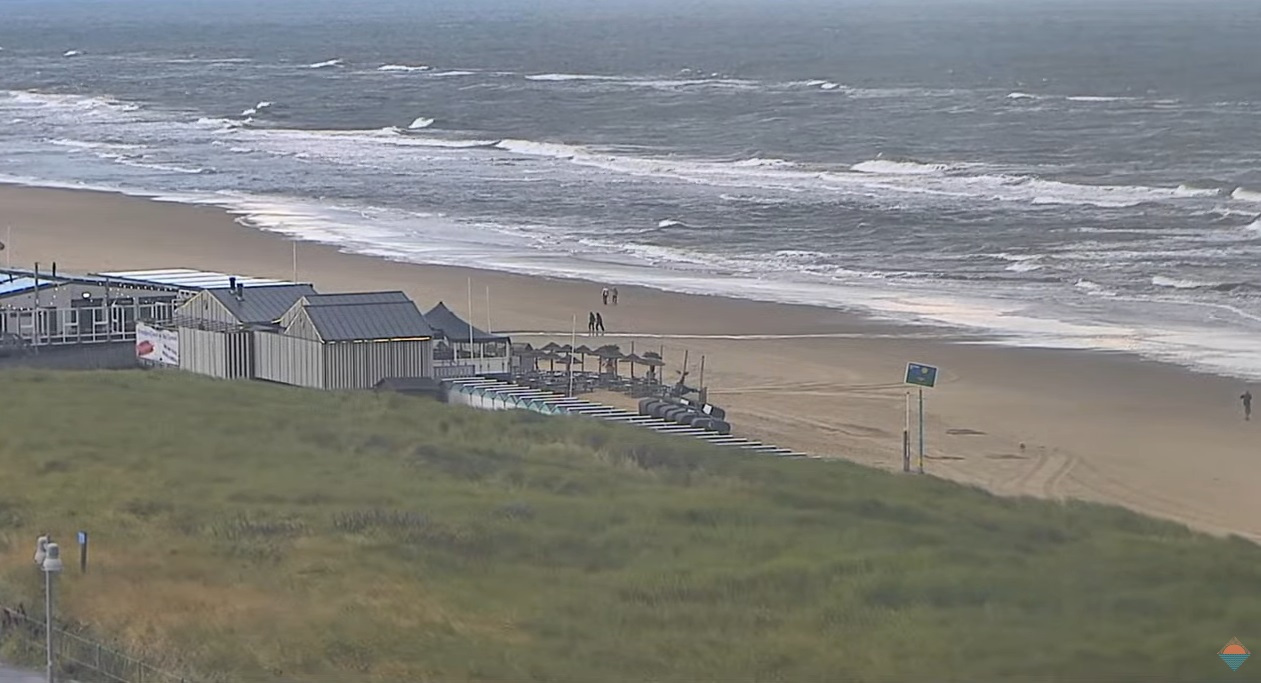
(549, 357)
(550, 347)
(582, 352)
(633, 360)
(609, 355)
(652, 360)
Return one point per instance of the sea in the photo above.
(1079, 174)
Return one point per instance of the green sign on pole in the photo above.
(921, 375)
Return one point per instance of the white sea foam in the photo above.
(757, 162)
(402, 68)
(1246, 195)
(571, 77)
(1254, 226)
(257, 108)
(1021, 263)
(324, 65)
(72, 53)
(1179, 283)
(1022, 96)
(1093, 288)
(445, 74)
(898, 167)
(1192, 191)
(1098, 98)
(668, 223)
(419, 123)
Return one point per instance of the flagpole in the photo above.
(487, 319)
(573, 342)
(295, 261)
(470, 319)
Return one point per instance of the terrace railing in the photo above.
(36, 327)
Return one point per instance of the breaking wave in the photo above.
(402, 68)
(1245, 195)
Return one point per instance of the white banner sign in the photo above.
(157, 345)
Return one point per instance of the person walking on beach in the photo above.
(599, 322)
(615, 296)
(1246, 399)
(604, 294)
(590, 323)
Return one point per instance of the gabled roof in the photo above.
(369, 321)
(342, 298)
(452, 328)
(261, 304)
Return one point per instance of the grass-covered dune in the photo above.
(252, 532)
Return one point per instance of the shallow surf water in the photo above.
(806, 155)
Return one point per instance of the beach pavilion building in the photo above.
(346, 341)
(211, 332)
(40, 308)
(462, 350)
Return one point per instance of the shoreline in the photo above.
(1096, 425)
(990, 318)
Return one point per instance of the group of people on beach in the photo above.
(595, 321)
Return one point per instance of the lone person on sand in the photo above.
(604, 294)
(1246, 398)
(590, 322)
(615, 296)
(599, 322)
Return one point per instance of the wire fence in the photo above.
(77, 656)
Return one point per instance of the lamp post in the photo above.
(48, 556)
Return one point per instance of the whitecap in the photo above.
(420, 122)
(898, 167)
(1185, 190)
(324, 65)
(1245, 195)
(570, 77)
(72, 53)
(1176, 283)
(667, 223)
(1097, 98)
(402, 68)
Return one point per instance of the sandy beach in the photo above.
(1153, 437)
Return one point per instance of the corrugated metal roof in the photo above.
(192, 279)
(342, 298)
(369, 321)
(261, 304)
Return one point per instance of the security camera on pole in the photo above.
(48, 559)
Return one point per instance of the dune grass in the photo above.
(253, 533)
